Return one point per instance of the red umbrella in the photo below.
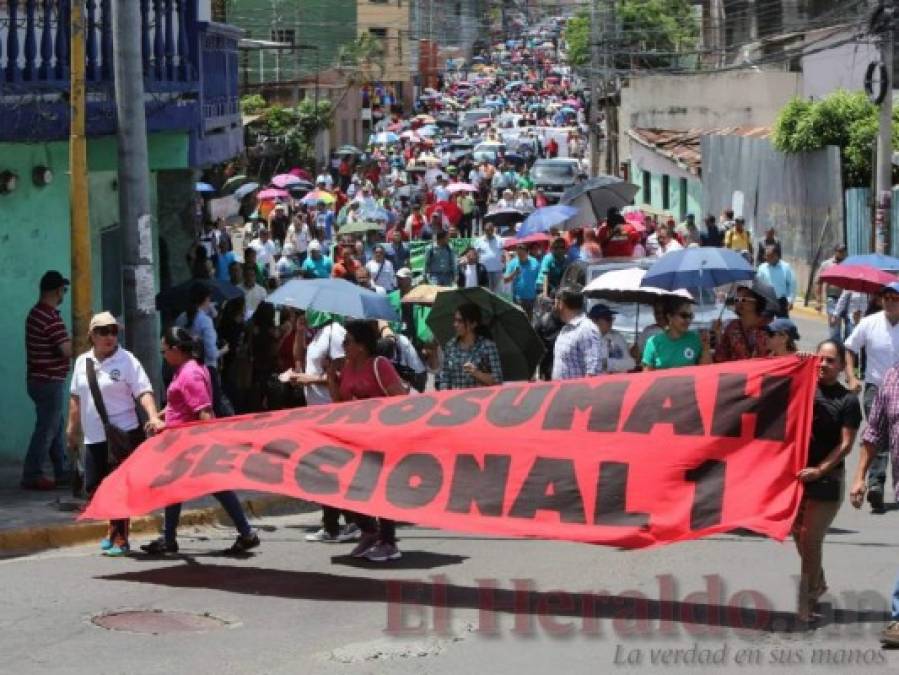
(859, 278)
(450, 211)
(300, 173)
(535, 238)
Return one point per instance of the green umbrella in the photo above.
(359, 228)
(233, 183)
(520, 348)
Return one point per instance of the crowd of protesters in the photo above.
(246, 355)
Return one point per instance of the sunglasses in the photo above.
(686, 316)
(744, 300)
(106, 331)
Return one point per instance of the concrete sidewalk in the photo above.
(35, 521)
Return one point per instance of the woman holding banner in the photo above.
(360, 375)
(836, 417)
(744, 337)
(189, 398)
(677, 346)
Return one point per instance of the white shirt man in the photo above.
(265, 248)
(381, 270)
(879, 335)
(326, 346)
(490, 255)
(298, 235)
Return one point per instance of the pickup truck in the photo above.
(555, 176)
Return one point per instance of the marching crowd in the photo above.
(409, 212)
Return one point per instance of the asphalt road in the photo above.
(455, 604)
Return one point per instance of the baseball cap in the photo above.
(315, 245)
(52, 280)
(102, 319)
(601, 311)
(404, 273)
(892, 288)
(783, 326)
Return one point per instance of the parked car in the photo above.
(468, 119)
(555, 176)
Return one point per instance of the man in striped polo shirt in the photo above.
(49, 352)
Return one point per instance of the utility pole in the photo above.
(594, 89)
(609, 87)
(135, 219)
(885, 138)
(80, 233)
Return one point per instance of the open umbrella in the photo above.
(520, 348)
(284, 180)
(384, 138)
(452, 212)
(625, 286)
(318, 196)
(349, 150)
(203, 187)
(878, 260)
(594, 197)
(429, 130)
(410, 136)
(177, 298)
(504, 217)
(234, 182)
(245, 190)
(424, 119)
(423, 294)
(543, 219)
(300, 173)
(445, 122)
(453, 188)
(859, 278)
(360, 227)
(373, 213)
(272, 193)
(704, 267)
(337, 296)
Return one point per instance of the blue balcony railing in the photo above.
(189, 67)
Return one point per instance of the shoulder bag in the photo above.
(119, 443)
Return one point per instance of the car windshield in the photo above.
(475, 115)
(552, 171)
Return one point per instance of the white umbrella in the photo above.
(624, 286)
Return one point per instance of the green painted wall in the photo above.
(654, 199)
(34, 237)
(326, 24)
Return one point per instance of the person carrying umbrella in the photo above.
(470, 359)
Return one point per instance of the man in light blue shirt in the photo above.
(779, 275)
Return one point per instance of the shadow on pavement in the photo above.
(630, 610)
(411, 560)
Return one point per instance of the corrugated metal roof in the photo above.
(684, 147)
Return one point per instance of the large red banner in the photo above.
(626, 460)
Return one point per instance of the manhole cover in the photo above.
(159, 622)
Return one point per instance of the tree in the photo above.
(845, 119)
(650, 34)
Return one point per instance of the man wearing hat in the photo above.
(316, 265)
(48, 348)
(617, 357)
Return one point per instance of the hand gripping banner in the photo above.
(626, 460)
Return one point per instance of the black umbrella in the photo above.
(177, 298)
(599, 195)
(504, 217)
(446, 123)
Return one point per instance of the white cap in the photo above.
(315, 245)
(404, 273)
(102, 319)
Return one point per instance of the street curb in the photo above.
(26, 540)
(808, 312)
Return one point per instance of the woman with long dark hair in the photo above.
(360, 375)
(470, 359)
(744, 337)
(188, 399)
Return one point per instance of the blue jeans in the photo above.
(229, 502)
(48, 436)
(894, 608)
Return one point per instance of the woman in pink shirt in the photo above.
(188, 399)
(364, 375)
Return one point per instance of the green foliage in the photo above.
(845, 119)
(252, 104)
(650, 33)
(293, 130)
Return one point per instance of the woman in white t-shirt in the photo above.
(121, 380)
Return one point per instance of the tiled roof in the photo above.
(683, 147)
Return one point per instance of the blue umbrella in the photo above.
(568, 110)
(698, 268)
(384, 138)
(543, 219)
(878, 260)
(429, 130)
(246, 189)
(203, 187)
(337, 296)
(374, 213)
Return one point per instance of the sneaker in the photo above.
(323, 536)
(40, 483)
(349, 532)
(243, 543)
(889, 636)
(366, 541)
(383, 552)
(117, 551)
(160, 547)
(875, 499)
(105, 544)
